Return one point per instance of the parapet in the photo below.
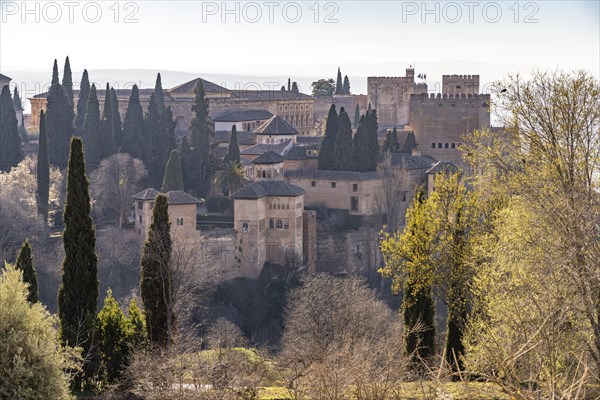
(441, 98)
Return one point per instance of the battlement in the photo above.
(460, 77)
(460, 84)
(458, 98)
(390, 79)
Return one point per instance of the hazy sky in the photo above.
(291, 38)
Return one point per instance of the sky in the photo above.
(303, 39)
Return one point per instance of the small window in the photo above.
(286, 224)
(140, 205)
(404, 197)
(355, 187)
(433, 145)
(279, 224)
(271, 224)
(140, 218)
(279, 206)
(245, 227)
(333, 185)
(439, 145)
(354, 203)
(313, 183)
(446, 145)
(179, 221)
(287, 206)
(453, 145)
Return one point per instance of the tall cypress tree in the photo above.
(17, 102)
(158, 91)
(391, 141)
(156, 282)
(361, 144)
(233, 151)
(372, 140)
(133, 127)
(59, 122)
(84, 94)
(343, 148)
(356, 116)
(67, 81)
(202, 137)
(117, 124)
(326, 160)
(346, 85)
(410, 144)
(185, 157)
(25, 263)
(78, 292)
(92, 131)
(108, 136)
(339, 85)
(23, 131)
(42, 171)
(173, 179)
(10, 141)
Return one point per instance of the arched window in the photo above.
(279, 224)
(453, 145)
(433, 145)
(439, 145)
(446, 145)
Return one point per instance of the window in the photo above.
(404, 197)
(179, 221)
(140, 205)
(286, 224)
(287, 206)
(279, 206)
(245, 227)
(279, 224)
(313, 183)
(453, 145)
(446, 145)
(433, 145)
(354, 203)
(439, 145)
(333, 184)
(355, 187)
(271, 224)
(270, 206)
(140, 218)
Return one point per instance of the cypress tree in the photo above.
(410, 144)
(167, 140)
(55, 73)
(343, 148)
(155, 276)
(173, 179)
(158, 91)
(42, 171)
(10, 141)
(391, 141)
(78, 292)
(108, 136)
(67, 81)
(295, 87)
(59, 122)
(289, 87)
(133, 127)
(92, 131)
(25, 264)
(372, 140)
(233, 151)
(339, 85)
(361, 144)
(84, 94)
(326, 160)
(202, 137)
(346, 85)
(356, 116)
(18, 103)
(117, 124)
(185, 156)
(112, 339)
(23, 131)
(369, 108)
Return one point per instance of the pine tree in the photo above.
(112, 338)
(108, 136)
(133, 127)
(156, 282)
(10, 141)
(59, 122)
(173, 179)
(42, 171)
(67, 82)
(343, 148)
(346, 85)
(233, 151)
(84, 94)
(78, 292)
(92, 131)
(391, 141)
(339, 85)
(326, 153)
(117, 124)
(202, 137)
(25, 264)
(356, 116)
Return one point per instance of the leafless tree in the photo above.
(395, 187)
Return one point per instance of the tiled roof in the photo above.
(309, 140)
(256, 190)
(446, 167)
(260, 148)
(243, 137)
(276, 126)
(325, 175)
(242, 115)
(296, 153)
(269, 95)
(268, 157)
(412, 162)
(173, 197)
(4, 78)
(190, 86)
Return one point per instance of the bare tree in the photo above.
(395, 186)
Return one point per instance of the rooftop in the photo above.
(296, 153)
(190, 87)
(4, 78)
(276, 126)
(261, 189)
(242, 115)
(269, 95)
(173, 197)
(446, 167)
(326, 175)
(260, 148)
(243, 137)
(268, 157)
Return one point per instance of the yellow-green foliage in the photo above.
(31, 358)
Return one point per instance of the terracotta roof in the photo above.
(446, 167)
(268, 157)
(173, 197)
(242, 115)
(325, 175)
(260, 189)
(190, 86)
(276, 126)
(260, 148)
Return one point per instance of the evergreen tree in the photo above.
(173, 179)
(112, 338)
(133, 127)
(67, 82)
(326, 160)
(185, 157)
(391, 141)
(117, 124)
(361, 144)
(92, 131)
(158, 92)
(84, 94)
(356, 116)
(346, 85)
(78, 292)
(369, 108)
(42, 171)
(202, 137)
(18, 103)
(59, 122)
(295, 87)
(289, 87)
(343, 148)
(10, 141)
(339, 85)
(23, 131)
(410, 144)
(25, 264)
(108, 136)
(156, 277)
(233, 151)
(136, 326)
(372, 149)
